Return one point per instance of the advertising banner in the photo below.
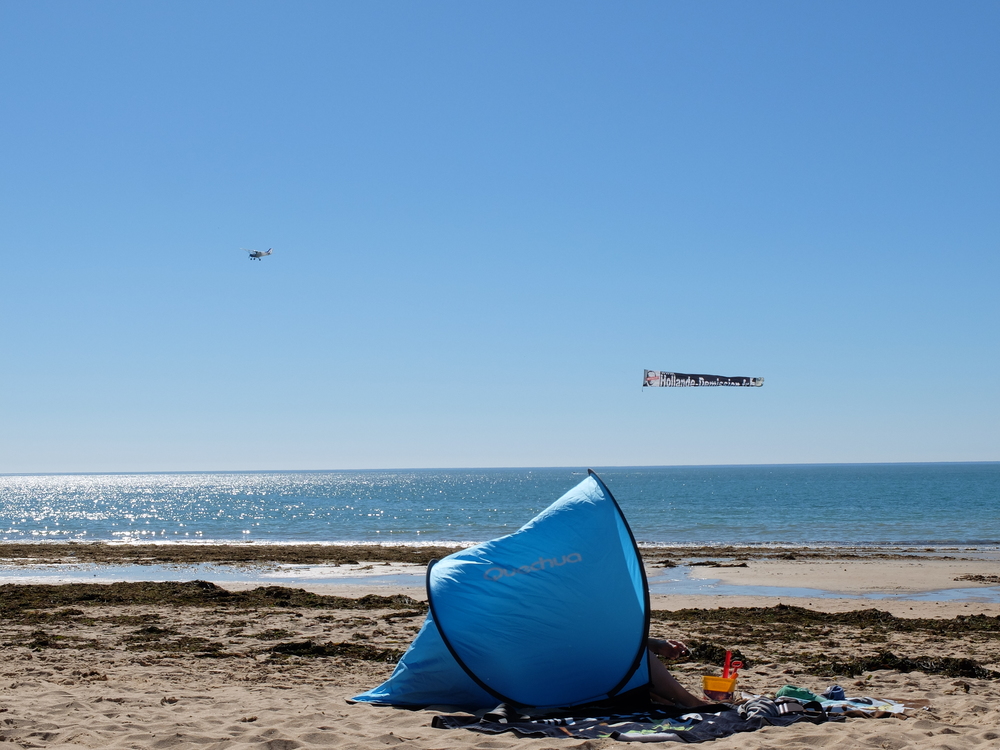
(660, 379)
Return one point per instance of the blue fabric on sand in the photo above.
(428, 675)
(555, 614)
(834, 693)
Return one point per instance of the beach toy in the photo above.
(730, 664)
(719, 689)
(722, 688)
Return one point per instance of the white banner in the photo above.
(660, 379)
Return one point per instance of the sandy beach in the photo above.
(197, 665)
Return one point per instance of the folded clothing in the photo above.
(790, 691)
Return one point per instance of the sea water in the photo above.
(857, 504)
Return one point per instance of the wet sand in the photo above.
(864, 576)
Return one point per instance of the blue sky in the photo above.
(488, 218)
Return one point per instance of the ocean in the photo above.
(819, 505)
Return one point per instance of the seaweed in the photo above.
(63, 615)
(15, 598)
(349, 650)
(800, 617)
(185, 644)
(147, 635)
(39, 640)
(705, 652)
(273, 634)
(945, 665)
(393, 616)
(312, 554)
(240, 554)
(128, 619)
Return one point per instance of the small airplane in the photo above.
(258, 254)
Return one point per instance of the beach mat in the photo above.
(652, 725)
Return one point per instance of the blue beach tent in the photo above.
(555, 614)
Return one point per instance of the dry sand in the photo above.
(156, 675)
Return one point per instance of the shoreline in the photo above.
(872, 576)
(343, 552)
(863, 581)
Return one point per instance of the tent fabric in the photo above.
(428, 675)
(555, 614)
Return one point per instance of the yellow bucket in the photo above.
(718, 688)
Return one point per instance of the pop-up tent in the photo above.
(555, 614)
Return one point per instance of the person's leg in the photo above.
(665, 686)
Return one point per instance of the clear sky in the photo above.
(487, 219)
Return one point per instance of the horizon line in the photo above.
(489, 468)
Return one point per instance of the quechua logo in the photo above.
(542, 563)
